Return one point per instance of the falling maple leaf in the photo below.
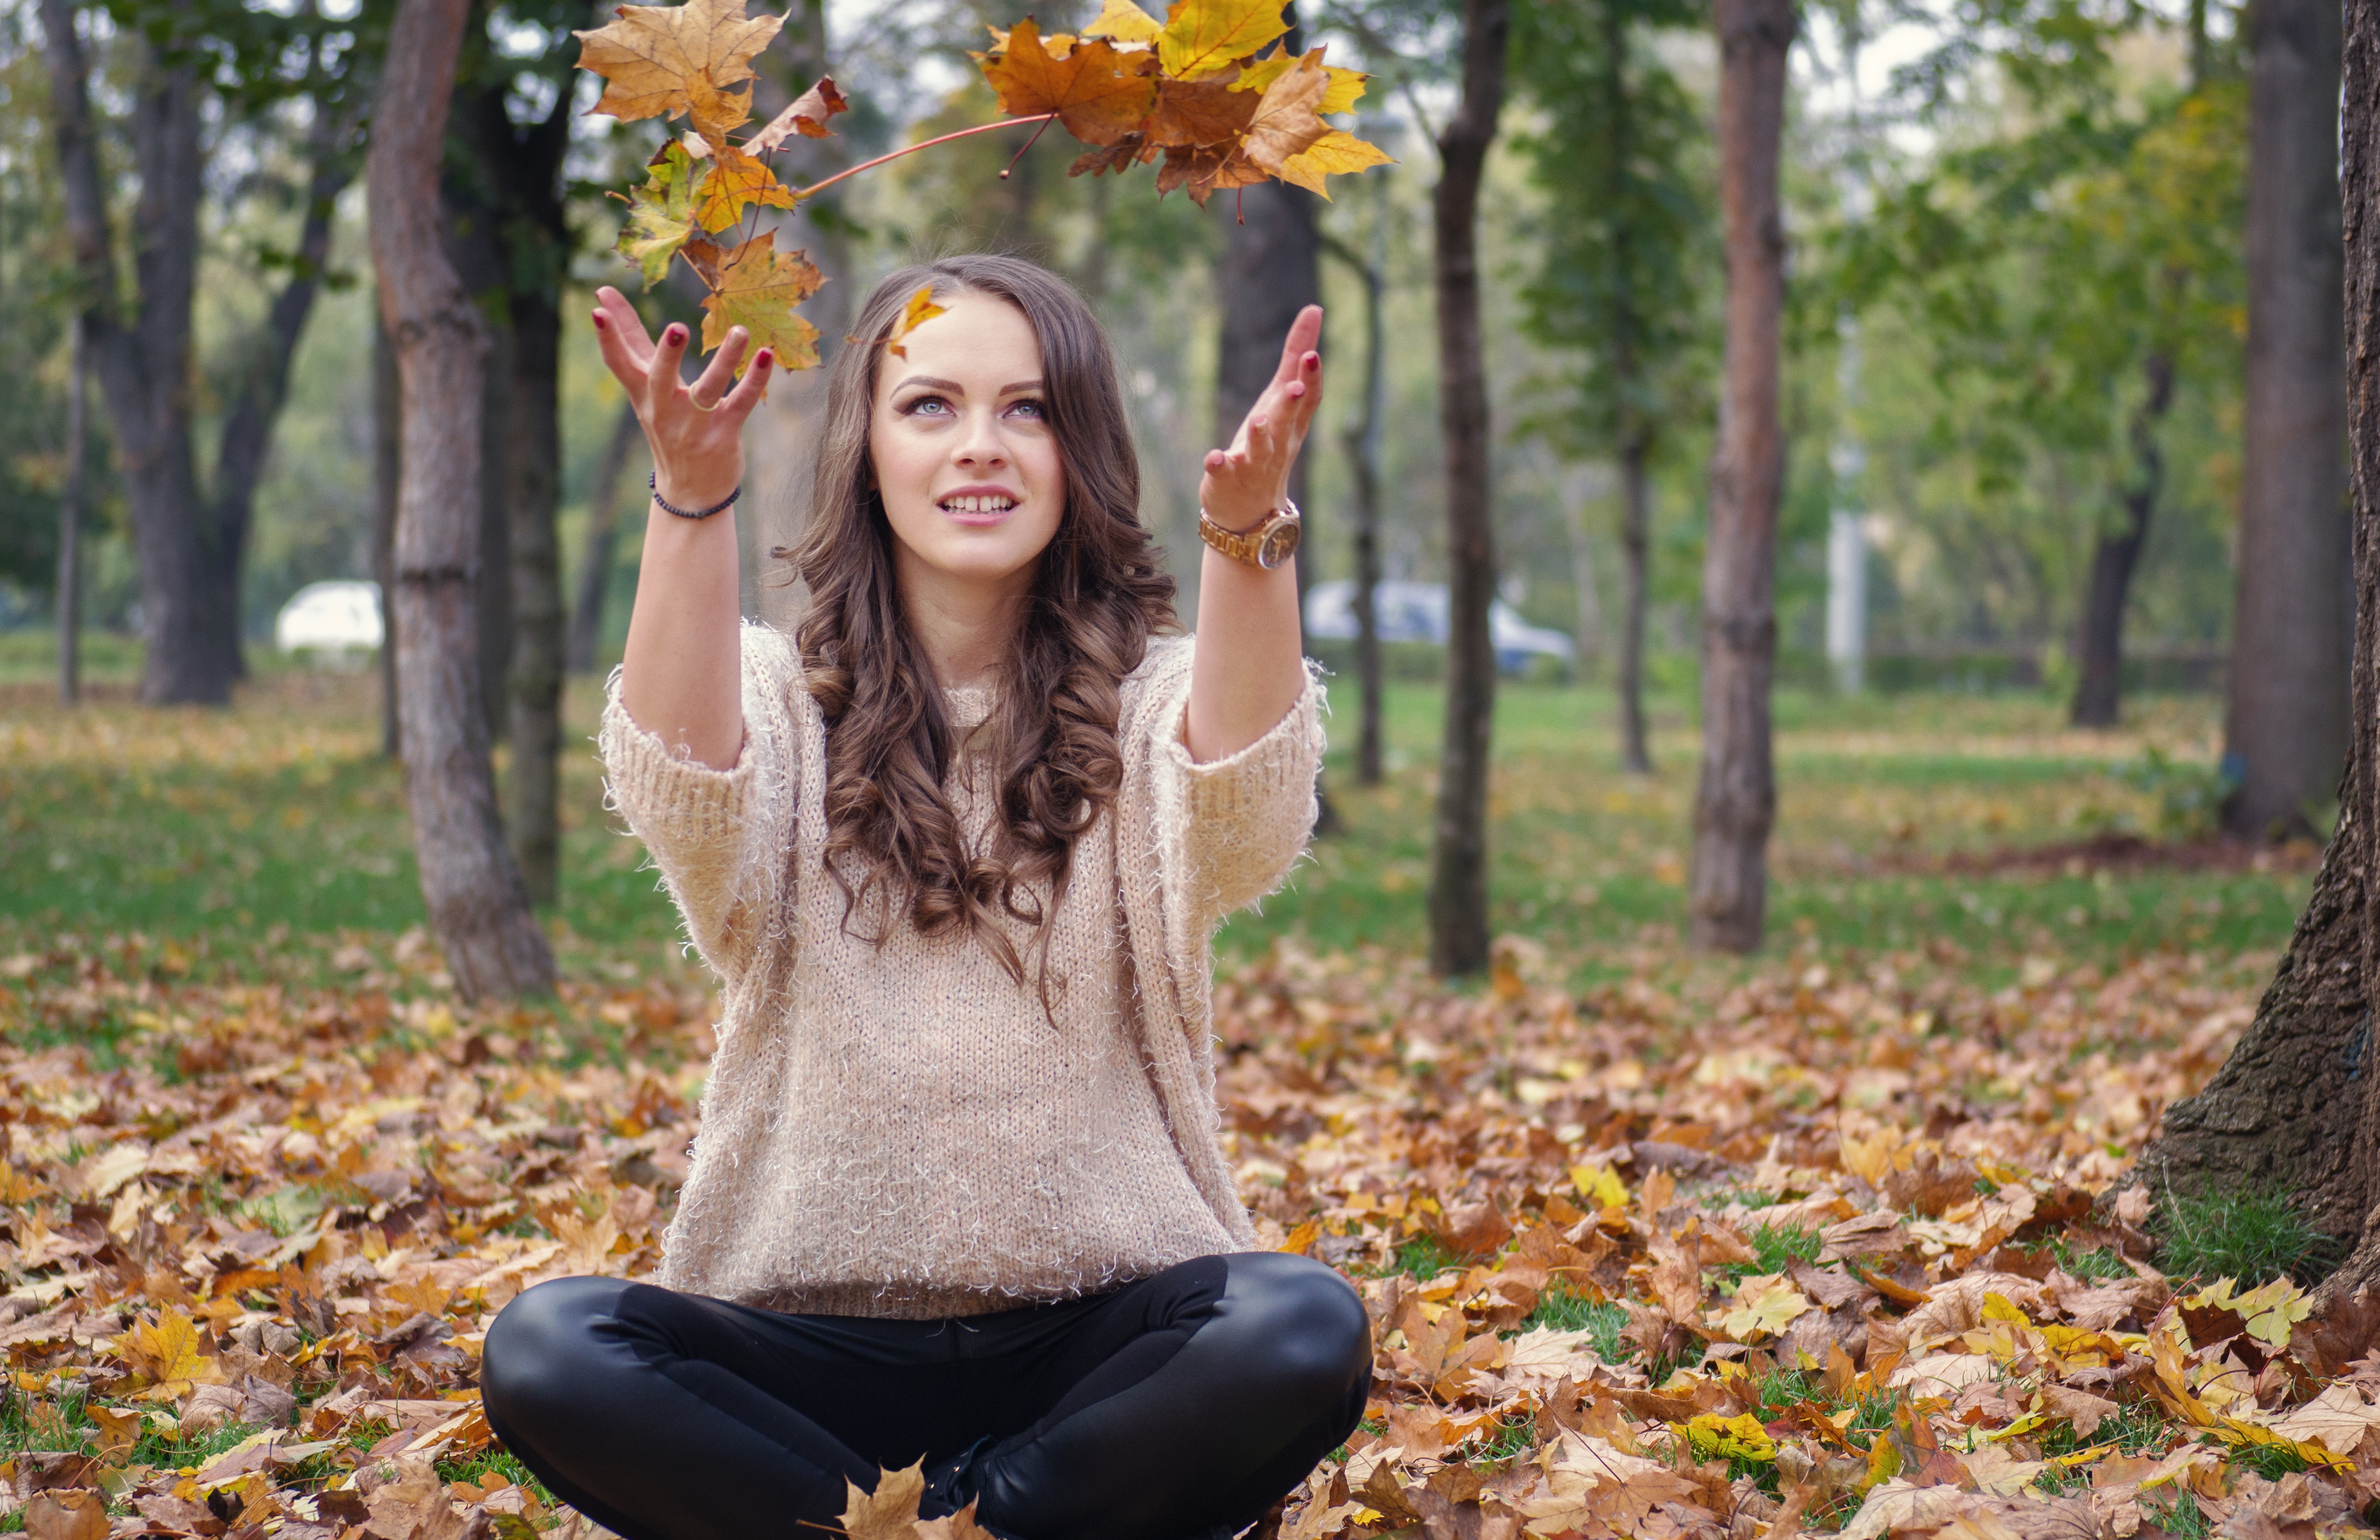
(655, 58)
(808, 116)
(1099, 92)
(737, 182)
(661, 213)
(756, 288)
(1207, 37)
(920, 309)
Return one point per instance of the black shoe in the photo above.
(951, 1482)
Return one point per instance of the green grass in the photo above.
(2250, 1237)
(2180, 1517)
(2101, 1262)
(1603, 1320)
(1425, 1257)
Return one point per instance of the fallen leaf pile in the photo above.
(1806, 1249)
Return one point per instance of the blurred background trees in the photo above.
(2049, 252)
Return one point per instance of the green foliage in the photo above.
(2253, 1237)
(1560, 1310)
(1425, 1257)
(1779, 1246)
(2179, 1516)
(2189, 795)
(2099, 1262)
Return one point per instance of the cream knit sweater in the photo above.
(902, 1131)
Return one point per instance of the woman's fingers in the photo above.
(739, 401)
(1305, 334)
(711, 384)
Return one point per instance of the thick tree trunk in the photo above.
(1458, 889)
(533, 804)
(2099, 692)
(1735, 800)
(2297, 1106)
(387, 456)
(479, 908)
(1271, 268)
(257, 398)
(1636, 546)
(494, 611)
(2286, 728)
(70, 599)
(603, 505)
(144, 360)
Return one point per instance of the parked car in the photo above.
(1417, 612)
(338, 618)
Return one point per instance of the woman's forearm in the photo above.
(682, 676)
(1250, 667)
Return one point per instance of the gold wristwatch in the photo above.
(1270, 544)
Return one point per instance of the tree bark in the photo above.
(70, 599)
(387, 456)
(479, 908)
(143, 359)
(1635, 546)
(2099, 692)
(1271, 268)
(1458, 892)
(263, 387)
(2297, 1106)
(533, 806)
(2286, 728)
(1735, 799)
(603, 505)
(1361, 440)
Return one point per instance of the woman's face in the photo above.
(964, 455)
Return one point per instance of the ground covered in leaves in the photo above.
(1809, 1248)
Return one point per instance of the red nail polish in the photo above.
(767, 356)
(677, 333)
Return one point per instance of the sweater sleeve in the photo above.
(1249, 816)
(713, 833)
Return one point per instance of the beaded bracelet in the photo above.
(653, 479)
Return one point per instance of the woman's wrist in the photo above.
(698, 486)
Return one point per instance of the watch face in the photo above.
(1280, 542)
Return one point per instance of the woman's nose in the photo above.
(982, 445)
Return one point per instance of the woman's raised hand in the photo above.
(1251, 479)
(695, 431)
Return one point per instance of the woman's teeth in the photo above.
(994, 504)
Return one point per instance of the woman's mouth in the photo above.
(979, 507)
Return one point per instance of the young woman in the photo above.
(955, 849)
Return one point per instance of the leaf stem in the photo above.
(811, 191)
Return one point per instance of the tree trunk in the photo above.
(1635, 544)
(1362, 440)
(494, 612)
(69, 600)
(2286, 729)
(387, 437)
(533, 812)
(479, 908)
(1271, 268)
(1458, 889)
(2098, 694)
(144, 360)
(603, 505)
(257, 398)
(1735, 799)
(2297, 1106)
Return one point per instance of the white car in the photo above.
(330, 617)
(1417, 612)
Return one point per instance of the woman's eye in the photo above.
(1033, 410)
(927, 406)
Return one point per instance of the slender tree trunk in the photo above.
(144, 360)
(264, 386)
(1735, 800)
(387, 439)
(603, 505)
(2297, 1106)
(1458, 892)
(495, 522)
(1580, 488)
(2286, 729)
(2099, 692)
(1362, 440)
(534, 803)
(70, 521)
(479, 908)
(1635, 545)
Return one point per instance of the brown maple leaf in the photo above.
(1200, 115)
(1207, 170)
(808, 116)
(757, 287)
(1099, 92)
(655, 58)
(1285, 123)
(891, 1511)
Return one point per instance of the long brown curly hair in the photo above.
(895, 842)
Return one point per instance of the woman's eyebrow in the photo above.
(929, 382)
(1020, 385)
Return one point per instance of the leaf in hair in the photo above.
(920, 309)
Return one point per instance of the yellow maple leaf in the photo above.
(1285, 123)
(1336, 153)
(1207, 37)
(1124, 22)
(1765, 1306)
(1600, 1186)
(755, 287)
(920, 309)
(891, 1511)
(168, 1352)
(737, 182)
(1712, 1436)
(661, 213)
(1345, 90)
(654, 59)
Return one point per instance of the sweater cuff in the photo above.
(669, 798)
(1278, 768)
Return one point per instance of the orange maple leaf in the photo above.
(755, 287)
(655, 58)
(737, 182)
(808, 116)
(1099, 92)
(1200, 115)
(920, 309)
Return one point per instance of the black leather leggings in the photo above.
(1181, 1406)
